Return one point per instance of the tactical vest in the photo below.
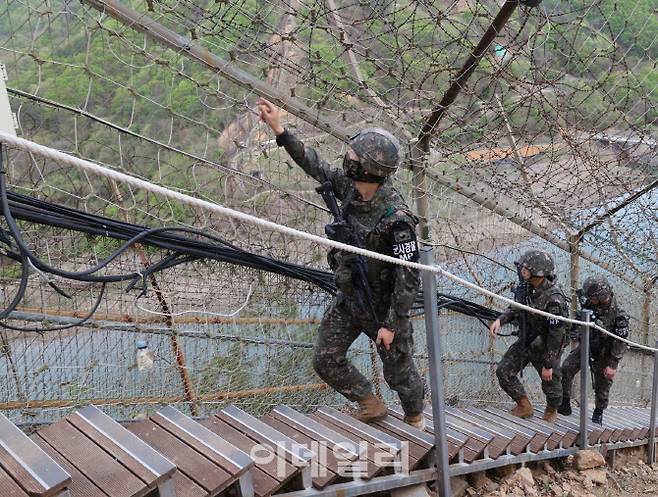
(372, 222)
(598, 342)
(537, 324)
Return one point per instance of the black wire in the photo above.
(22, 287)
(80, 322)
(184, 250)
(490, 259)
(463, 306)
(33, 210)
(20, 293)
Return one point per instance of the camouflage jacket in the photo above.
(383, 224)
(547, 297)
(603, 348)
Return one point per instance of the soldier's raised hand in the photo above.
(609, 373)
(494, 328)
(269, 114)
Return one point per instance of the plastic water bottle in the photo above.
(144, 356)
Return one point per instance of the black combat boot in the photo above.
(565, 408)
(597, 416)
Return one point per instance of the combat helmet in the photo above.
(597, 287)
(378, 151)
(538, 262)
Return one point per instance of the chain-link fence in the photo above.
(551, 144)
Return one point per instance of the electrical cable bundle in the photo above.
(182, 250)
(463, 306)
(16, 206)
(169, 238)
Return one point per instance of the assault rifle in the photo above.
(521, 293)
(340, 231)
(575, 330)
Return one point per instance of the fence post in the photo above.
(584, 372)
(645, 325)
(176, 347)
(652, 421)
(574, 271)
(435, 371)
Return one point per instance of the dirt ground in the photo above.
(629, 476)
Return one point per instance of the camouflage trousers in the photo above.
(601, 384)
(514, 361)
(337, 332)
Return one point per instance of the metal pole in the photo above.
(584, 371)
(420, 191)
(645, 325)
(436, 372)
(652, 421)
(429, 128)
(574, 272)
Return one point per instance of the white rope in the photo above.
(99, 170)
(540, 312)
(204, 204)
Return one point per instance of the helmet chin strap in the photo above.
(371, 179)
(535, 281)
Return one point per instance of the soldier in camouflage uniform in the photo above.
(383, 223)
(605, 351)
(540, 343)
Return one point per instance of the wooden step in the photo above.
(288, 449)
(226, 455)
(270, 473)
(142, 460)
(26, 468)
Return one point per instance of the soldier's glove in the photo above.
(575, 332)
(339, 232)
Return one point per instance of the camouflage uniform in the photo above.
(605, 352)
(385, 225)
(543, 345)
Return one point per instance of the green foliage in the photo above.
(10, 271)
(185, 98)
(634, 22)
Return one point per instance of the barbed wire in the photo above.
(556, 128)
(331, 244)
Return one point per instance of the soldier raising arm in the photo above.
(382, 222)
